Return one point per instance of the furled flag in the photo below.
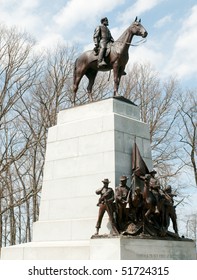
(138, 164)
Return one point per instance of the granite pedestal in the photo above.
(136, 248)
(89, 143)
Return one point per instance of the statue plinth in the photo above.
(89, 143)
(141, 248)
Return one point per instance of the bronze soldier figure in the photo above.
(102, 36)
(155, 187)
(170, 209)
(122, 200)
(105, 203)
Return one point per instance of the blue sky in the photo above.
(172, 27)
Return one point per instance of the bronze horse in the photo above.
(86, 63)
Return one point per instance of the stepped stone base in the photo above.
(54, 250)
(90, 143)
(113, 248)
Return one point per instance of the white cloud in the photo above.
(4, 3)
(20, 13)
(48, 41)
(77, 11)
(160, 23)
(28, 5)
(145, 54)
(137, 9)
(184, 58)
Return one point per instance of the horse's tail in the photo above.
(74, 70)
(75, 85)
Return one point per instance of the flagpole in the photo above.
(133, 175)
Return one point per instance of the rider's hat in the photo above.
(103, 19)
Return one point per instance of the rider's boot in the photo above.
(101, 61)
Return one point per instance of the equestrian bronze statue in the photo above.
(116, 59)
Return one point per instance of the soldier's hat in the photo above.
(106, 181)
(168, 188)
(123, 178)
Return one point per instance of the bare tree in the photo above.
(188, 129)
(18, 68)
(35, 112)
(57, 79)
(18, 72)
(191, 226)
(157, 102)
(15, 144)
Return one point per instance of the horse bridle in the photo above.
(138, 43)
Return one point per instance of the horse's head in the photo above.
(138, 29)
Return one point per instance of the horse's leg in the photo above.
(76, 81)
(75, 88)
(78, 73)
(118, 72)
(91, 75)
(116, 79)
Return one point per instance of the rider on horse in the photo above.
(102, 36)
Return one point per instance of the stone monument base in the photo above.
(89, 143)
(136, 248)
(52, 250)
(104, 248)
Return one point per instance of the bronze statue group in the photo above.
(144, 208)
